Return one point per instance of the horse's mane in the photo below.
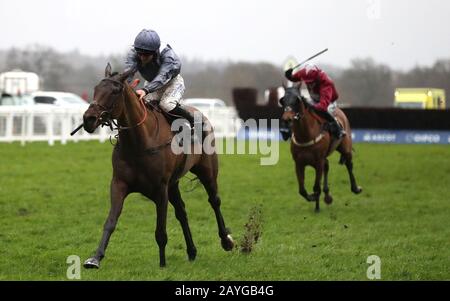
(295, 90)
(116, 74)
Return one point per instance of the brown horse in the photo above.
(143, 161)
(311, 144)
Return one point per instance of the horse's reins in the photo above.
(110, 122)
(107, 112)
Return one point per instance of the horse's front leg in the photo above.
(300, 171)
(161, 201)
(316, 195)
(328, 198)
(119, 190)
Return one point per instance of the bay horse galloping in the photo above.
(311, 144)
(144, 162)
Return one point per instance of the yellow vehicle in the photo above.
(419, 98)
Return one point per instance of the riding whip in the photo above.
(76, 130)
(315, 55)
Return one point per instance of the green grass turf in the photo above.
(54, 201)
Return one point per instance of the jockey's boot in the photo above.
(340, 132)
(336, 128)
(181, 111)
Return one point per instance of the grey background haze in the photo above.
(399, 33)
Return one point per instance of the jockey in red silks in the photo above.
(322, 91)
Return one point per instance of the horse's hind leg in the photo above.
(328, 199)
(161, 222)
(346, 157)
(180, 213)
(208, 177)
(161, 199)
(119, 190)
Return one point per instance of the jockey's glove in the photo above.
(288, 73)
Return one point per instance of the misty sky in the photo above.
(400, 33)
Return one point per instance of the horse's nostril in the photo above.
(90, 119)
(89, 123)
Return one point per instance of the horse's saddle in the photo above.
(153, 105)
(326, 124)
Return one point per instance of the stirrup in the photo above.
(341, 134)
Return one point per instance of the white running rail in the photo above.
(45, 123)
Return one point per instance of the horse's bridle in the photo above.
(297, 115)
(105, 119)
(105, 115)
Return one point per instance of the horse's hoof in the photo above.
(328, 199)
(357, 190)
(91, 263)
(192, 254)
(162, 262)
(317, 210)
(228, 243)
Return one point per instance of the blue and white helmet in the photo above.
(147, 41)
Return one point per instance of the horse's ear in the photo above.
(108, 70)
